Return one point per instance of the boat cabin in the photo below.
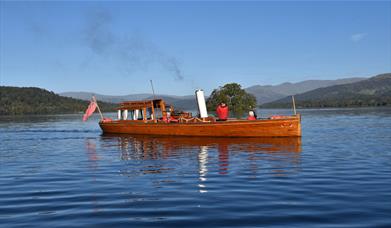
(149, 111)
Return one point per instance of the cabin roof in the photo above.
(132, 105)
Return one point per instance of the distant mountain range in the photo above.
(269, 93)
(264, 94)
(375, 91)
(349, 92)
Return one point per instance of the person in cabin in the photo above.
(168, 118)
(222, 111)
(251, 115)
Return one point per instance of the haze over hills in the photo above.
(375, 91)
(181, 102)
(106, 98)
(263, 94)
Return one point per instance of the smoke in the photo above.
(98, 35)
(133, 51)
(172, 66)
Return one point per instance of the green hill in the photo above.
(375, 91)
(31, 100)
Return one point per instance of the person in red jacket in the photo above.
(251, 115)
(168, 118)
(222, 111)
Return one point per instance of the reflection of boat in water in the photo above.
(279, 156)
(152, 117)
(165, 145)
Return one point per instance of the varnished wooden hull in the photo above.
(285, 127)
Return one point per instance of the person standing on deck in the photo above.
(222, 111)
(251, 115)
(168, 118)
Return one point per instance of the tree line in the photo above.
(31, 100)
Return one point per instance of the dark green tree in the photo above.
(30, 100)
(237, 99)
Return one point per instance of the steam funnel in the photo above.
(201, 103)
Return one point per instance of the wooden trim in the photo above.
(145, 114)
(153, 113)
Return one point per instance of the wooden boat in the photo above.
(152, 117)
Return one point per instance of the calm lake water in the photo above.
(56, 171)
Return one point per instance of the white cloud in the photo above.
(358, 37)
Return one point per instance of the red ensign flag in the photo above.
(91, 109)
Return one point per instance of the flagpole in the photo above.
(101, 116)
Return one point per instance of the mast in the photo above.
(153, 91)
(94, 100)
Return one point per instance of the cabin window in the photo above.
(140, 114)
(119, 114)
(137, 114)
(131, 115)
(125, 114)
(149, 114)
(158, 113)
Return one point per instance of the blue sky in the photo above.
(115, 48)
